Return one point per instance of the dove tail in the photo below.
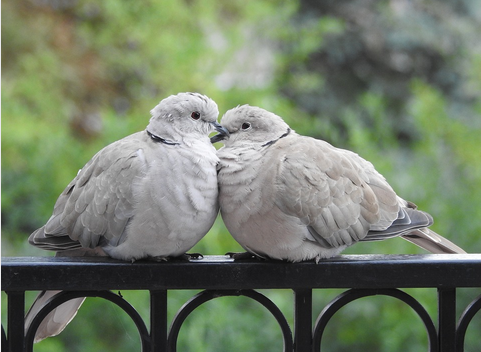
(56, 320)
(432, 242)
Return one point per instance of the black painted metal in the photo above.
(302, 320)
(354, 294)
(205, 296)
(65, 296)
(466, 317)
(219, 272)
(158, 320)
(446, 319)
(219, 276)
(16, 312)
(4, 340)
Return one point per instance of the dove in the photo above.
(151, 195)
(291, 197)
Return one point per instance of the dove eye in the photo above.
(246, 126)
(195, 115)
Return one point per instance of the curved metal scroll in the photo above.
(208, 295)
(464, 321)
(4, 339)
(65, 296)
(354, 294)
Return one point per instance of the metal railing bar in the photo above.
(351, 295)
(302, 320)
(447, 319)
(466, 317)
(219, 276)
(347, 271)
(65, 296)
(158, 320)
(16, 314)
(208, 295)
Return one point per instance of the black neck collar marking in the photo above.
(158, 139)
(275, 140)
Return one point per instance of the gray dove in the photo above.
(152, 194)
(291, 197)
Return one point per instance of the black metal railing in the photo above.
(218, 276)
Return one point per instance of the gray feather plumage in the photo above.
(152, 194)
(287, 196)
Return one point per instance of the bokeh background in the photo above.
(397, 81)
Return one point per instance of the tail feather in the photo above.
(432, 242)
(56, 320)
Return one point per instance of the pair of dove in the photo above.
(156, 193)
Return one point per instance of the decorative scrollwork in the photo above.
(464, 320)
(65, 296)
(20, 275)
(208, 295)
(354, 294)
(4, 339)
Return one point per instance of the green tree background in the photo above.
(399, 82)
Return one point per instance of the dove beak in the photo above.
(223, 133)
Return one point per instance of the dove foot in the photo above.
(243, 256)
(188, 257)
(152, 259)
(183, 257)
(196, 256)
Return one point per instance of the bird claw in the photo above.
(242, 256)
(158, 259)
(195, 256)
(182, 257)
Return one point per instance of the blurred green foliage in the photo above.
(396, 81)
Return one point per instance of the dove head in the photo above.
(250, 124)
(184, 114)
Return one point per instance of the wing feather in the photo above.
(336, 193)
(97, 205)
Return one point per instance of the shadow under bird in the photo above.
(291, 197)
(150, 195)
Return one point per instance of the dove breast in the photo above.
(175, 201)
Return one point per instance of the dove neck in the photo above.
(158, 139)
(275, 140)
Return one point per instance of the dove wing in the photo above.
(95, 208)
(338, 195)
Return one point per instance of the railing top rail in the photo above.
(220, 272)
